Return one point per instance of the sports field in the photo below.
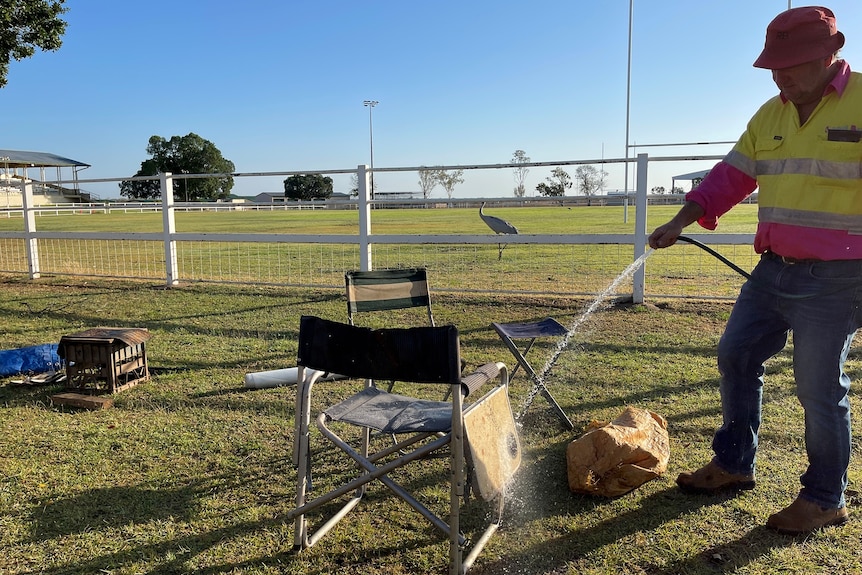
(531, 268)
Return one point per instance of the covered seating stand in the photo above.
(425, 355)
(547, 327)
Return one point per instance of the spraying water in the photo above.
(576, 324)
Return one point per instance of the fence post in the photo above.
(31, 244)
(169, 227)
(363, 176)
(640, 228)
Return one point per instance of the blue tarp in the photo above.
(33, 359)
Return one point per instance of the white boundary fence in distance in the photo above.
(45, 251)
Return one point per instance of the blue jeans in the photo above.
(823, 326)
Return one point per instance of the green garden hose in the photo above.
(760, 285)
(720, 257)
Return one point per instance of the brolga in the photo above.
(498, 226)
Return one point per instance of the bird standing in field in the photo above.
(498, 226)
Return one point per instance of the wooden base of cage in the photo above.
(94, 402)
(105, 359)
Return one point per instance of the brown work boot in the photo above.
(711, 479)
(803, 516)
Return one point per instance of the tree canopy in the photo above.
(306, 187)
(26, 25)
(188, 154)
(427, 180)
(448, 180)
(557, 183)
(591, 180)
(520, 171)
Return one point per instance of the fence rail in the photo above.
(542, 264)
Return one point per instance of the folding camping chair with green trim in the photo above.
(387, 290)
(532, 330)
(482, 433)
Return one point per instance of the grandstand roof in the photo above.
(19, 159)
(699, 175)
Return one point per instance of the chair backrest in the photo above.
(417, 354)
(381, 290)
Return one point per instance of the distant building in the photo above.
(18, 168)
(278, 197)
(693, 177)
(269, 198)
(398, 195)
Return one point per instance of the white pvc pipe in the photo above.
(273, 378)
(279, 377)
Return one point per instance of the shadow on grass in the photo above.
(12, 395)
(552, 555)
(219, 321)
(120, 508)
(110, 508)
(732, 556)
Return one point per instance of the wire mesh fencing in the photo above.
(537, 269)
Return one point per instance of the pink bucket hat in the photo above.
(800, 35)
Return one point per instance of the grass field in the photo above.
(562, 269)
(191, 472)
(528, 220)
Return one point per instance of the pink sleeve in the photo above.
(722, 188)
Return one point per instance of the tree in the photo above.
(448, 180)
(591, 180)
(520, 171)
(428, 180)
(188, 154)
(26, 25)
(677, 190)
(658, 190)
(558, 182)
(307, 187)
(354, 185)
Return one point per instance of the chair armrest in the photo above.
(482, 375)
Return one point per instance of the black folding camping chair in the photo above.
(482, 433)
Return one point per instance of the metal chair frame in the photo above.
(429, 355)
(547, 327)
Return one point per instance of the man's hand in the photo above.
(666, 235)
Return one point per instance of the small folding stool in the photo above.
(548, 327)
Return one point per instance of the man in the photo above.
(803, 150)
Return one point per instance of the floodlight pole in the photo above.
(186, 184)
(628, 96)
(370, 105)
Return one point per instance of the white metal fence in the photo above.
(547, 264)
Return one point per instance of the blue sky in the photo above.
(278, 85)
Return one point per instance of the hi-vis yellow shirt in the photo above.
(809, 175)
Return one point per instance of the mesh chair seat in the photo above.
(548, 327)
(393, 413)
